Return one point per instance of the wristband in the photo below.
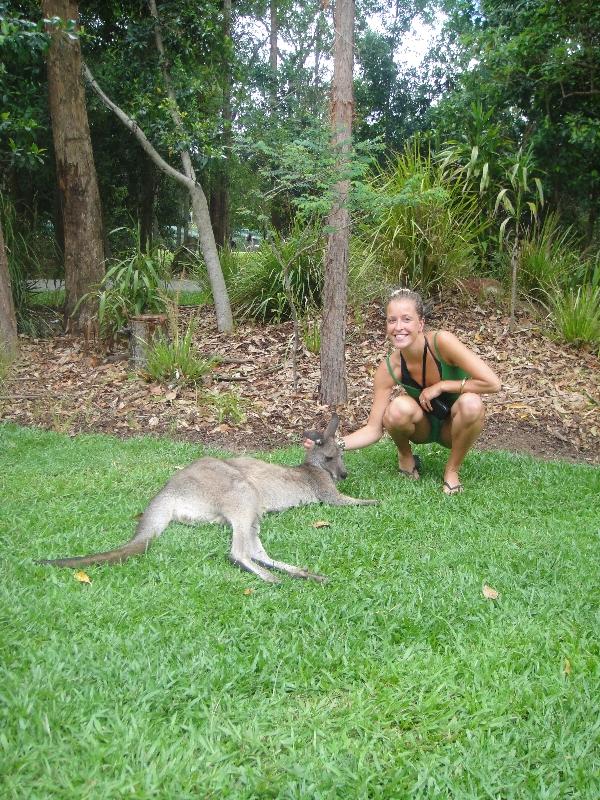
(340, 442)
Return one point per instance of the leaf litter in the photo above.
(549, 405)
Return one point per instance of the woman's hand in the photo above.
(428, 394)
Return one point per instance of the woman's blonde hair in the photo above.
(408, 294)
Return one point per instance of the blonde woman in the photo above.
(443, 380)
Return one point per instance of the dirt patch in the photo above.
(549, 405)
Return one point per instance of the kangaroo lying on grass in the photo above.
(238, 491)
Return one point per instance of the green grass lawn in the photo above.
(176, 675)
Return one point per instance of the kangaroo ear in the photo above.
(312, 436)
(332, 427)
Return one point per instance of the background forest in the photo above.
(479, 159)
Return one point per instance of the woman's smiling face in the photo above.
(403, 323)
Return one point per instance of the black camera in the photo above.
(441, 405)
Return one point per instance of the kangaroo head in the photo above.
(326, 454)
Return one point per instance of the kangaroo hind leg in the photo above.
(260, 556)
(241, 548)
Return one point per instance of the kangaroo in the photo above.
(237, 492)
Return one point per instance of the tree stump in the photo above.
(144, 330)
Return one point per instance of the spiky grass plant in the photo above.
(427, 235)
(548, 257)
(174, 359)
(257, 289)
(575, 314)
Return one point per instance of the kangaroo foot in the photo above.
(248, 565)
(290, 569)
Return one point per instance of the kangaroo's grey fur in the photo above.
(238, 491)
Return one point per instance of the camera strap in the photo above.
(408, 379)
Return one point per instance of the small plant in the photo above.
(258, 290)
(548, 257)
(133, 285)
(174, 359)
(228, 406)
(311, 335)
(575, 314)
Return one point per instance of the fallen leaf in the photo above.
(567, 667)
(153, 422)
(489, 593)
(248, 592)
(321, 523)
(82, 577)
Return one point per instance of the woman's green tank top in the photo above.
(449, 373)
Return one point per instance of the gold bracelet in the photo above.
(462, 385)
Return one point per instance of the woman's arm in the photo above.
(373, 430)
(482, 380)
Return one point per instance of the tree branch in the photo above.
(139, 134)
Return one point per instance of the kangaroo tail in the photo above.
(153, 522)
(133, 548)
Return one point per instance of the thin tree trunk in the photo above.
(200, 210)
(333, 332)
(75, 170)
(9, 342)
(219, 204)
(273, 33)
(147, 194)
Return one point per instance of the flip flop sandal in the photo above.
(414, 473)
(456, 489)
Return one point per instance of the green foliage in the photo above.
(548, 257)
(175, 359)
(228, 406)
(23, 261)
(257, 289)
(427, 236)
(134, 284)
(397, 679)
(575, 314)
(310, 330)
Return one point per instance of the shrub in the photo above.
(174, 359)
(575, 314)
(257, 289)
(427, 232)
(134, 284)
(548, 257)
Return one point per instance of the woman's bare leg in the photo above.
(460, 433)
(405, 422)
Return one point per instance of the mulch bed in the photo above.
(549, 405)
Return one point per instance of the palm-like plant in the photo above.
(520, 201)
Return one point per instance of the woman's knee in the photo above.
(470, 407)
(401, 412)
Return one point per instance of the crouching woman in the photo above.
(443, 380)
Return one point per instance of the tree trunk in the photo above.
(9, 343)
(333, 332)
(147, 194)
(273, 31)
(75, 170)
(219, 200)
